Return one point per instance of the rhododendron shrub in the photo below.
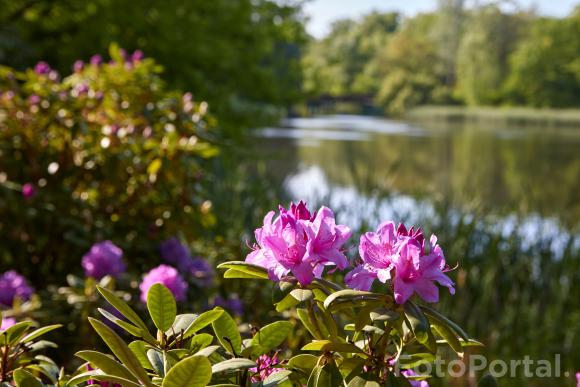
(103, 153)
(359, 337)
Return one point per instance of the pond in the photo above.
(403, 169)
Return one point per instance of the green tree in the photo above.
(482, 58)
(545, 69)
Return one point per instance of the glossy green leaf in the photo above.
(106, 364)
(121, 351)
(449, 336)
(16, 332)
(438, 318)
(24, 378)
(181, 323)
(326, 376)
(193, 371)
(232, 365)
(302, 294)
(330, 346)
(203, 320)
(226, 331)
(139, 348)
(271, 336)
(257, 272)
(200, 341)
(122, 307)
(39, 332)
(418, 322)
(161, 306)
(277, 378)
(156, 359)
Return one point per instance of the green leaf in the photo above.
(302, 294)
(121, 351)
(193, 371)
(24, 378)
(286, 303)
(449, 337)
(122, 307)
(438, 318)
(106, 364)
(305, 320)
(226, 331)
(303, 362)
(156, 359)
(181, 323)
(96, 375)
(232, 273)
(203, 320)
(162, 307)
(200, 341)
(154, 166)
(327, 345)
(326, 376)
(130, 328)
(139, 348)
(232, 365)
(257, 272)
(271, 336)
(349, 298)
(13, 334)
(208, 351)
(39, 332)
(276, 378)
(417, 321)
(364, 380)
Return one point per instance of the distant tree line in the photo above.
(453, 56)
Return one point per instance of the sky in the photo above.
(323, 12)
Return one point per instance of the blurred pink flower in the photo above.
(78, 66)
(6, 323)
(42, 68)
(166, 276)
(28, 190)
(104, 258)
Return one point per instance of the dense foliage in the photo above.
(241, 56)
(456, 55)
(104, 153)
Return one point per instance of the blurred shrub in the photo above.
(104, 153)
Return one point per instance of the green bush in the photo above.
(104, 153)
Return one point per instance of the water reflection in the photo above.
(523, 172)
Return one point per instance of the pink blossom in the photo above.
(578, 379)
(28, 190)
(414, 383)
(400, 254)
(166, 276)
(78, 66)
(42, 68)
(6, 323)
(299, 243)
(265, 366)
(137, 56)
(96, 60)
(104, 258)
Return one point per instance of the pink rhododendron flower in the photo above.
(104, 258)
(578, 379)
(300, 243)
(6, 323)
(401, 255)
(13, 285)
(42, 68)
(265, 367)
(28, 190)
(414, 383)
(166, 276)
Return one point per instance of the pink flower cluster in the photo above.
(299, 243)
(265, 366)
(404, 256)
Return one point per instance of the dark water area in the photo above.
(505, 201)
